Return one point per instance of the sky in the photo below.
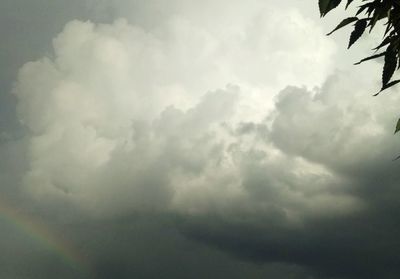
(193, 139)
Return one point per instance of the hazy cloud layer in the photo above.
(218, 123)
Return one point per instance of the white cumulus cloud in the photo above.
(172, 119)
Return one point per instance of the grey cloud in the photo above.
(125, 119)
(110, 110)
(340, 128)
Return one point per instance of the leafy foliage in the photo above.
(369, 12)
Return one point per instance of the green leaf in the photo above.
(385, 42)
(372, 8)
(370, 57)
(327, 5)
(397, 126)
(398, 61)
(375, 18)
(362, 8)
(388, 27)
(390, 84)
(390, 65)
(343, 24)
(381, 11)
(358, 31)
(348, 3)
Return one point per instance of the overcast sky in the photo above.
(193, 139)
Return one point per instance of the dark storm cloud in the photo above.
(351, 247)
(143, 246)
(341, 128)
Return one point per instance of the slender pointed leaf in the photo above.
(390, 84)
(370, 57)
(398, 61)
(397, 126)
(359, 29)
(395, 159)
(385, 42)
(390, 65)
(371, 9)
(348, 3)
(388, 27)
(362, 8)
(327, 5)
(375, 18)
(343, 24)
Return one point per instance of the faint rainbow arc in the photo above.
(41, 233)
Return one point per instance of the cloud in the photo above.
(335, 146)
(184, 118)
(117, 104)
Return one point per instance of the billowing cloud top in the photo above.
(240, 125)
(141, 110)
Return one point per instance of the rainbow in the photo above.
(41, 233)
